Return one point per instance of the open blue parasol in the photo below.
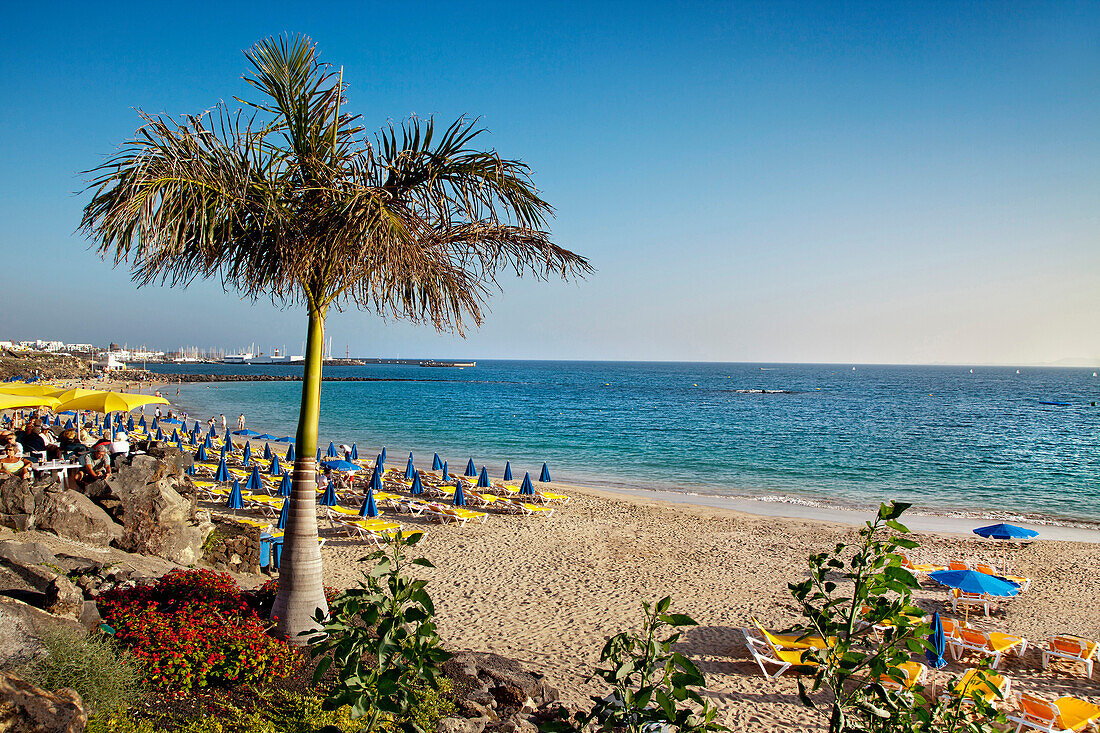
(284, 513)
(417, 487)
(1005, 532)
(341, 465)
(971, 581)
(483, 480)
(508, 471)
(410, 470)
(527, 487)
(436, 463)
(544, 477)
(284, 439)
(245, 433)
(235, 501)
(222, 474)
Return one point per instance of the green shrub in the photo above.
(105, 677)
(282, 712)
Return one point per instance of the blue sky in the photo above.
(753, 181)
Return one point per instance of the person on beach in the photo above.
(211, 422)
(7, 438)
(156, 412)
(13, 464)
(69, 444)
(240, 422)
(97, 465)
(32, 440)
(322, 479)
(223, 422)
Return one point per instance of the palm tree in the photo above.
(287, 198)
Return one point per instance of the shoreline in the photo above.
(772, 504)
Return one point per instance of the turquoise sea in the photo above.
(945, 438)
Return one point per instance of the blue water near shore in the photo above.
(940, 437)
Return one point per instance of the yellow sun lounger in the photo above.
(1064, 715)
(990, 686)
(767, 654)
(1073, 649)
(790, 641)
(993, 644)
(911, 674)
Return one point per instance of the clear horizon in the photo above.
(765, 183)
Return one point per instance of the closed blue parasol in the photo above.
(142, 422)
(369, 508)
(470, 470)
(130, 423)
(354, 452)
(332, 450)
(380, 462)
(544, 477)
(460, 498)
(376, 480)
(275, 469)
(508, 471)
(436, 463)
(527, 487)
(190, 470)
(267, 451)
(222, 474)
(247, 452)
(283, 514)
(1005, 532)
(383, 454)
(208, 442)
(318, 454)
(235, 501)
(938, 643)
(69, 423)
(159, 435)
(175, 435)
(329, 498)
(417, 487)
(483, 480)
(255, 483)
(213, 433)
(290, 453)
(444, 470)
(410, 470)
(285, 485)
(200, 455)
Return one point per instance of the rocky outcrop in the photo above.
(73, 515)
(25, 708)
(156, 518)
(497, 694)
(21, 625)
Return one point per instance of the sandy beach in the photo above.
(549, 591)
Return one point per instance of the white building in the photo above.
(79, 347)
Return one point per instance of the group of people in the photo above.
(32, 442)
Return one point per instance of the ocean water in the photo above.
(943, 438)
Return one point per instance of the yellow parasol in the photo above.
(18, 401)
(39, 390)
(111, 402)
(71, 394)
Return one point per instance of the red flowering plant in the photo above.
(194, 628)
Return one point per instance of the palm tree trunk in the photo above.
(301, 590)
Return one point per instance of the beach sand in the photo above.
(549, 591)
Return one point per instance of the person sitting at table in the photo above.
(33, 442)
(69, 445)
(8, 438)
(120, 445)
(13, 464)
(97, 465)
(86, 436)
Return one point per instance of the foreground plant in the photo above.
(849, 593)
(651, 685)
(381, 643)
(293, 202)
